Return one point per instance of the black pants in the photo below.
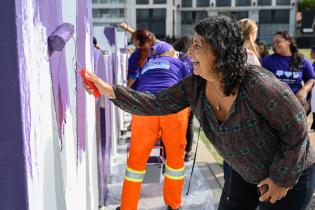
(190, 133)
(244, 196)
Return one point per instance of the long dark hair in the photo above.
(297, 57)
(265, 51)
(182, 44)
(143, 36)
(225, 36)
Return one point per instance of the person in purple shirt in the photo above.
(160, 73)
(146, 47)
(153, 67)
(290, 66)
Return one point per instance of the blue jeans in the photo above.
(244, 196)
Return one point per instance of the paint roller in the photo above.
(57, 41)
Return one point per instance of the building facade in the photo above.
(175, 18)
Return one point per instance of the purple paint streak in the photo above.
(13, 183)
(101, 122)
(108, 116)
(50, 14)
(59, 78)
(84, 18)
(110, 34)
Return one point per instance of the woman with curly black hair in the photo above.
(253, 120)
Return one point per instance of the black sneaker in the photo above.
(118, 208)
(189, 156)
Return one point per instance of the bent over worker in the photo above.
(161, 70)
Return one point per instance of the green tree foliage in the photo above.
(306, 4)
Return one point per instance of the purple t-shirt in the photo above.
(133, 69)
(187, 61)
(280, 66)
(158, 49)
(160, 73)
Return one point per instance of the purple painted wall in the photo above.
(82, 24)
(51, 17)
(31, 162)
(101, 121)
(12, 162)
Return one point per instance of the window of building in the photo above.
(274, 16)
(157, 13)
(203, 3)
(186, 3)
(236, 14)
(243, 2)
(117, 1)
(95, 13)
(187, 17)
(142, 2)
(283, 2)
(104, 1)
(223, 3)
(153, 20)
(267, 30)
(108, 13)
(200, 15)
(159, 1)
(190, 17)
(240, 14)
(264, 2)
(94, 1)
(282, 16)
(142, 14)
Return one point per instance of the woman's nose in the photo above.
(189, 51)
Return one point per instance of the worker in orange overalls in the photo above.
(156, 67)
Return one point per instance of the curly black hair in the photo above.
(225, 37)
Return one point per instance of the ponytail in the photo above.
(146, 41)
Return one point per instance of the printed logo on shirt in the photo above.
(154, 64)
(287, 76)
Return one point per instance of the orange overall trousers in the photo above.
(145, 131)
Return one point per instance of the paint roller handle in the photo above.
(89, 83)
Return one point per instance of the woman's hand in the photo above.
(123, 25)
(274, 192)
(301, 95)
(102, 86)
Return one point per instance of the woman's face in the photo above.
(253, 35)
(280, 45)
(203, 58)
